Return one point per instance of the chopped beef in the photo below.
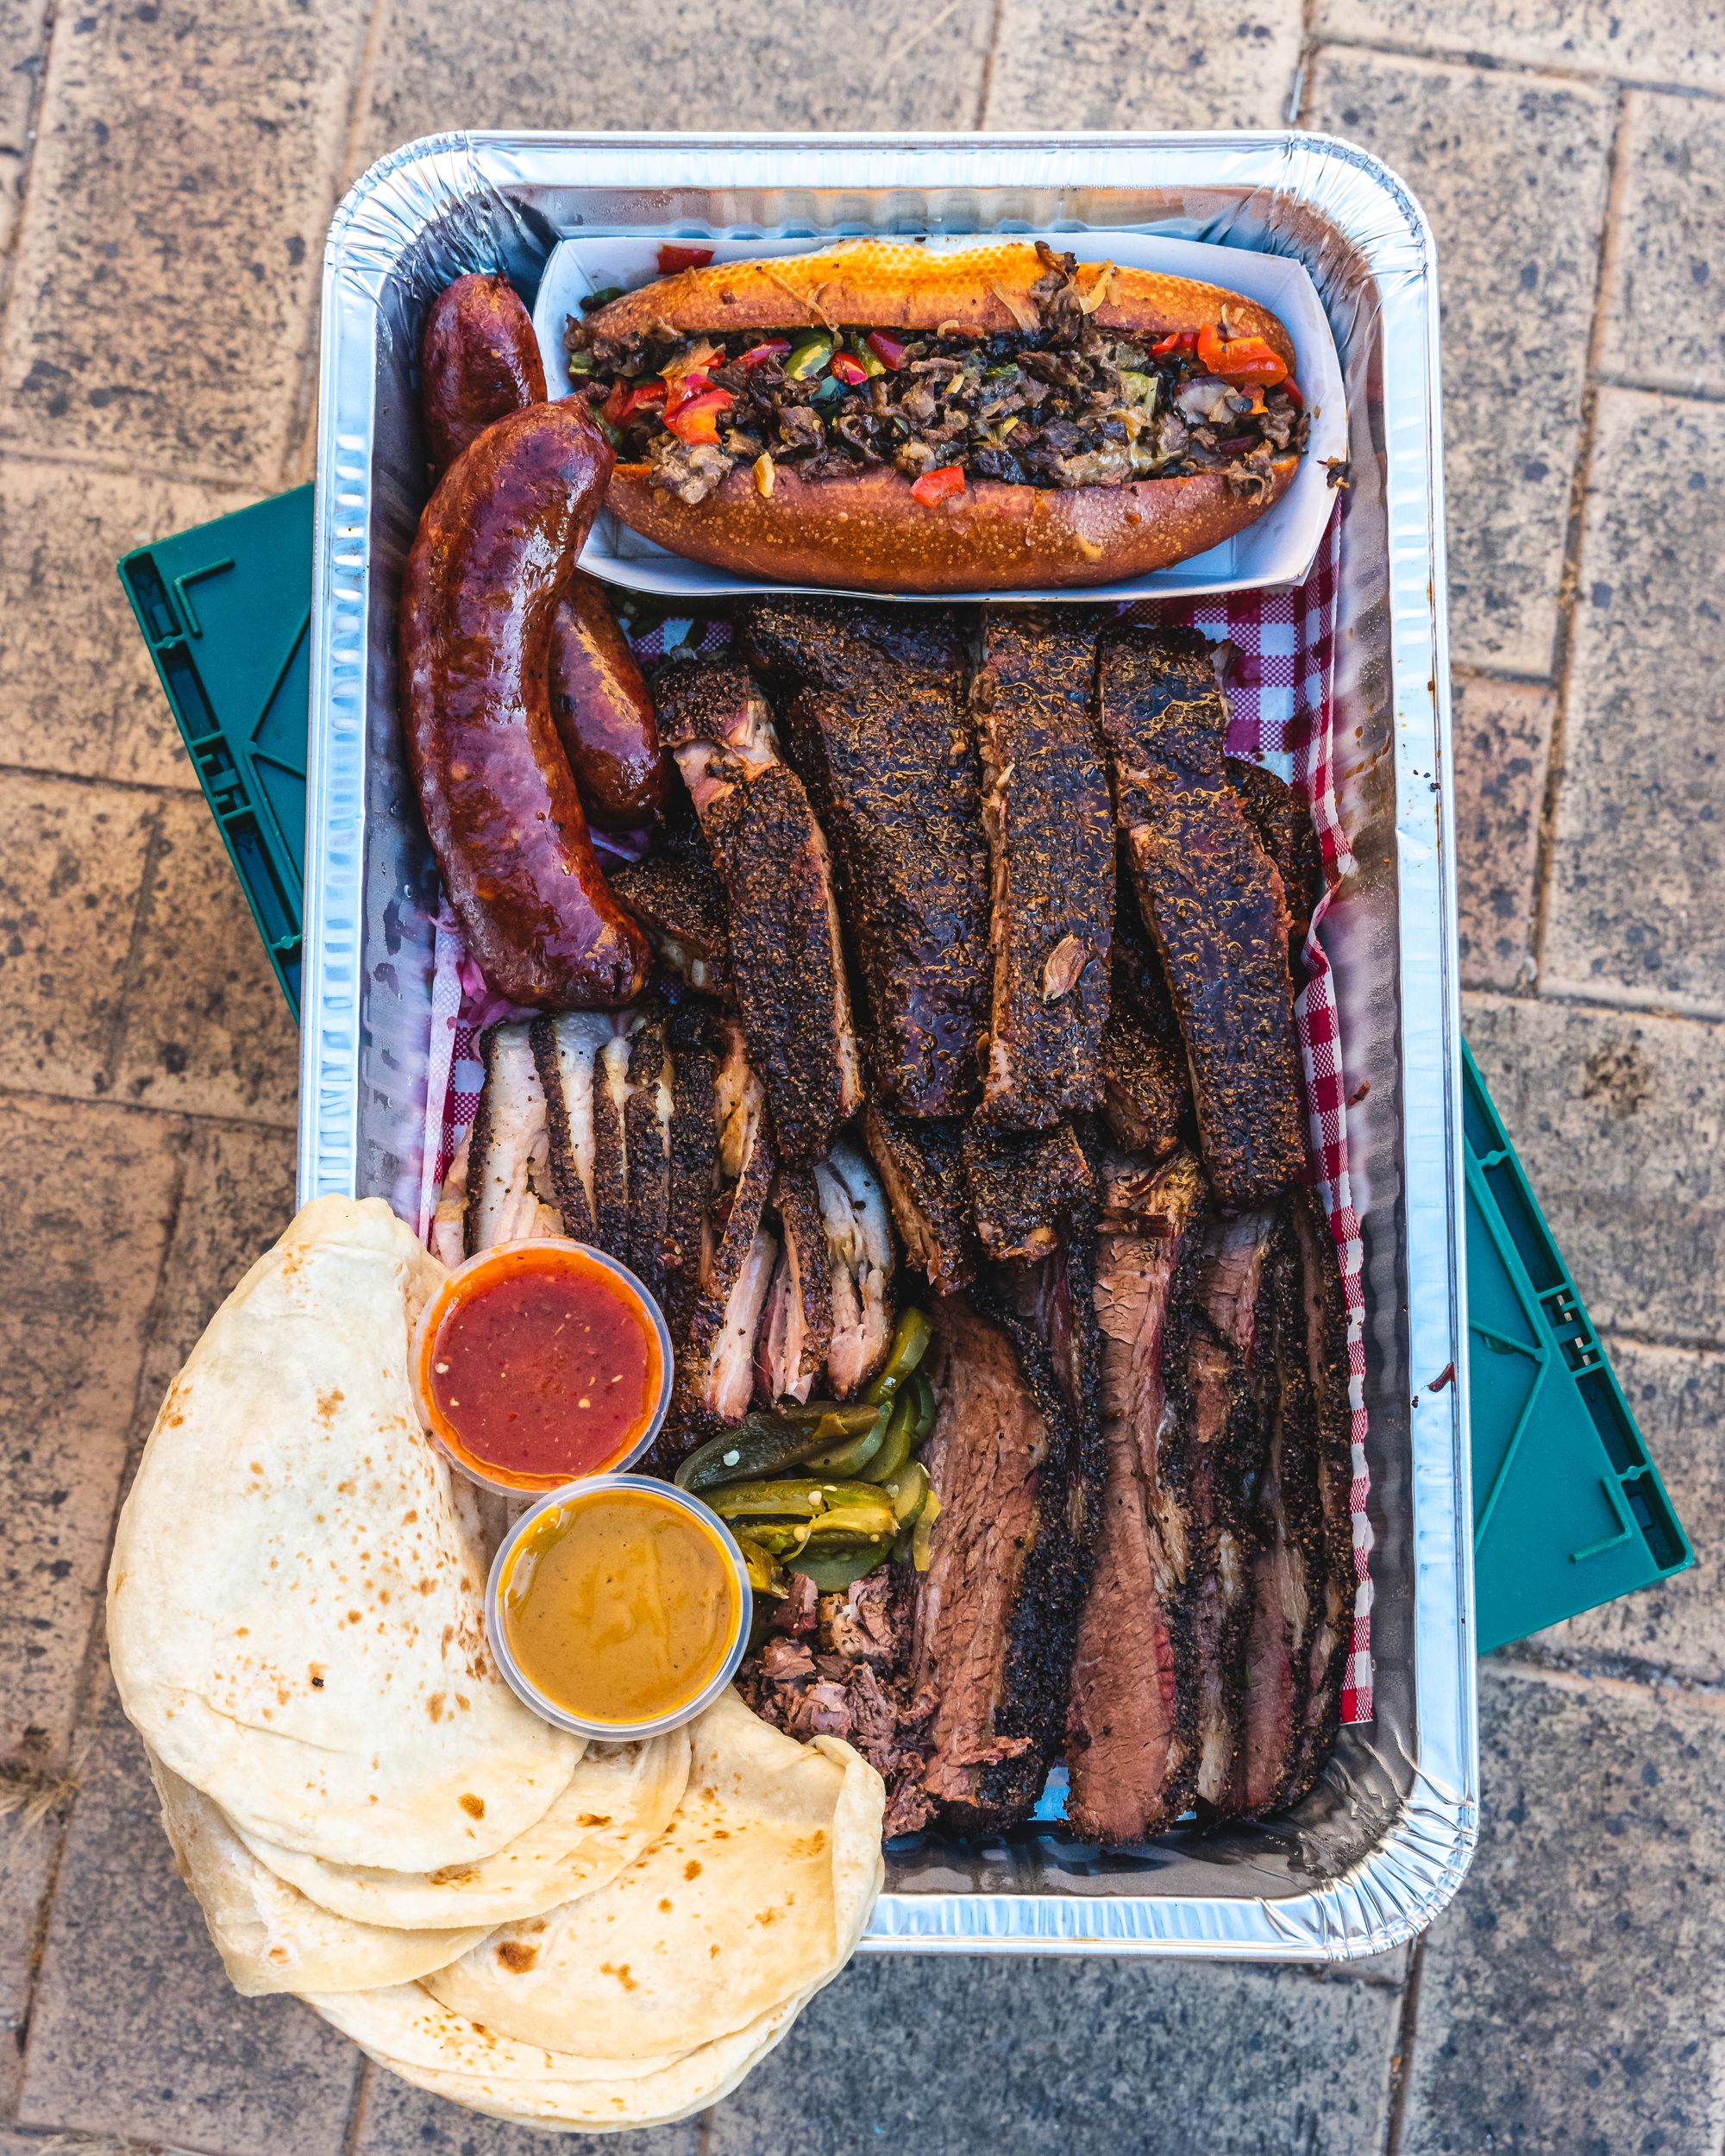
(874, 723)
(1215, 902)
(1049, 825)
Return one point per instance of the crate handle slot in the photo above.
(1626, 1525)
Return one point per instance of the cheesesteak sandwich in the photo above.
(892, 419)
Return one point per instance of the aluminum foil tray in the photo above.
(1378, 1847)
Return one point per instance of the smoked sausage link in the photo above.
(495, 548)
(479, 359)
(604, 712)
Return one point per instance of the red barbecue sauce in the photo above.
(544, 1366)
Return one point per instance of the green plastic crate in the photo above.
(1569, 1510)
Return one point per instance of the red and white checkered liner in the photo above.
(1281, 713)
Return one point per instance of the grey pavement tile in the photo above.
(394, 2118)
(1573, 1998)
(71, 864)
(1638, 855)
(734, 64)
(29, 1847)
(1677, 1397)
(1144, 64)
(23, 42)
(90, 1195)
(134, 2030)
(74, 667)
(1665, 306)
(166, 283)
(1159, 2059)
(1478, 146)
(1502, 733)
(1680, 41)
(1616, 1118)
(206, 1028)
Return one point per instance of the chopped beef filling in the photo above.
(1057, 403)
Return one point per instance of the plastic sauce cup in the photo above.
(600, 1587)
(541, 1362)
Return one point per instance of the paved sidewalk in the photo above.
(167, 169)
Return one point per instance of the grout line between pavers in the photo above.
(1401, 2059)
(26, 154)
(160, 1110)
(985, 91)
(1569, 578)
(1601, 1000)
(1497, 63)
(253, 484)
(357, 2107)
(1649, 385)
(133, 965)
(1623, 1676)
(159, 787)
(1649, 1343)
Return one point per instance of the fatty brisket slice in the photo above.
(1049, 826)
(787, 961)
(1215, 904)
(1131, 1724)
(872, 699)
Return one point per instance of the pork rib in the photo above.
(874, 724)
(1214, 902)
(786, 962)
(1046, 812)
(1131, 1724)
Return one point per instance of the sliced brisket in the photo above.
(921, 1164)
(1285, 831)
(1146, 1091)
(678, 898)
(1023, 1187)
(1215, 902)
(1046, 812)
(874, 723)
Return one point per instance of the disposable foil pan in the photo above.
(1372, 1853)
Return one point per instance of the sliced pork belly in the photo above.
(1131, 1722)
(796, 1326)
(860, 1256)
(786, 960)
(510, 1192)
(920, 1161)
(565, 1051)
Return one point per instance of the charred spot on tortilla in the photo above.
(517, 1958)
(473, 1806)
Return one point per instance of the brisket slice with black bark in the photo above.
(1131, 1724)
(693, 1167)
(1146, 1091)
(1284, 828)
(1214, 902)
(1332, 1597)
(647, 1151)
(1049, 825)
(1023, 1187)
(678, 898)
(921, 1165)
(795, 1336)
(997, 1610)
(786, 964)
(872, 701)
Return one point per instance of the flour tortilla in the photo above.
(269, 1936)
(295, 1608)
(755, 1893)
(619, 1799)
(405, 2029)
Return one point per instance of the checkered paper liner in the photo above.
(1280, 686)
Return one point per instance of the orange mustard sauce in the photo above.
(543, 1367)
(619, 1607)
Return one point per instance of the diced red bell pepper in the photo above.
(757, 354)
(849, 370)
(683, 389)
(888, 350)
(1239, 359)
(696, 419)
(627, 398)
(1176, 341)
(1294, 396)
(673, 258)
(939, 485)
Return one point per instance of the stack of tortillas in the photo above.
(580, 1936)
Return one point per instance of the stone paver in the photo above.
(1476, 146)
(1617, 1119)
(29, 1847)
(1680, 41)
(1157, 2058)
(23, 26)
(1638, 847)
(732, 65)
(1572, 1999)
(90, 1195)
(394, 2118)
(1664, 322)
(72, 860)
(206, 1029)
(1678, 1399)
(1144, 64)
(135, 2029)
(73, 665)
(1502, 735)
(165, 281)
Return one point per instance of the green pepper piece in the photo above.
(871, 362)
(911, 1337)
(779, 1537)
(808, 358)
(927, 1406)
(765, 1446)
(854, 1521)
(855, 1453)
(900, 1437)
(922, 1535)
(1138, 389)
(909, 1492)
(582, 363)
(602, 297)
(765, 1575)
(832, 1575)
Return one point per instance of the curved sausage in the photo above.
(603, 712)
(495, 549)
(479, 359)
